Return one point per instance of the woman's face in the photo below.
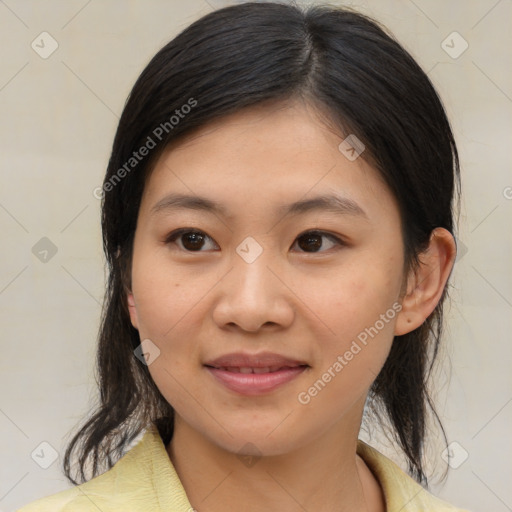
(270, 315)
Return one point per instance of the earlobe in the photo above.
(426, 283)
(133, 310)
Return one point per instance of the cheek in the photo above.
(171, 308)
(167, 297)
(353, 298)
(350, 356)
(356, 312)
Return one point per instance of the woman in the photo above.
(278, 224)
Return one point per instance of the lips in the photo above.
(254, 374)
(254, 363)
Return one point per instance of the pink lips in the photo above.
(254, 374)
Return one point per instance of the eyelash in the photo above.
(172, 237)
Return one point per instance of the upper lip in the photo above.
(261, 360)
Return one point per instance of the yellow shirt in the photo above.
(145, 480)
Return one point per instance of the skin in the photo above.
(300, 301)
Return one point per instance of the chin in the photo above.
(256, 440)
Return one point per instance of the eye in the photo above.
(191, 240)
(311, 241)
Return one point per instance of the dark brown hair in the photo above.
(345, 65)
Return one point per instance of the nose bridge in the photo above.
(250, 273)
(251, 295)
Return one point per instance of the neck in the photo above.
(325, 475)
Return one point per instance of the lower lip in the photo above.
(255, 383)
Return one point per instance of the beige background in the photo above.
(57, 122)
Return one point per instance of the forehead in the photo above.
(269, 154)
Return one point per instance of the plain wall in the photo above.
(57, 122)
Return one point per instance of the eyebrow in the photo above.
(327, 202)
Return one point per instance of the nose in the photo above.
(253, 296)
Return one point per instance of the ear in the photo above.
(133, 310)
(425, 284)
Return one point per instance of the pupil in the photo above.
(312, 242)
(193, 241)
